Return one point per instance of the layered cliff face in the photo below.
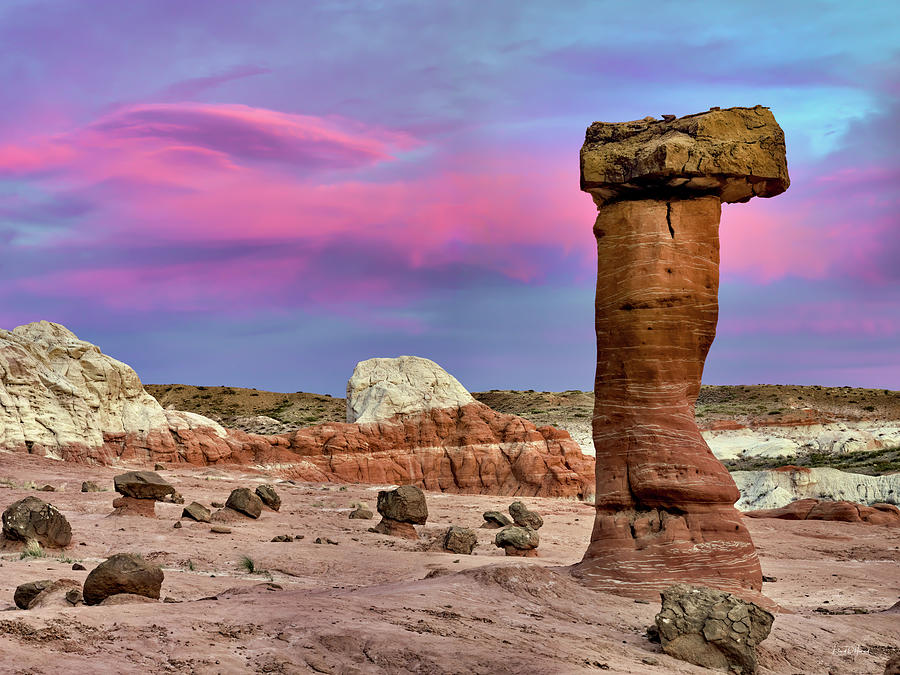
(414, 424)
(664, 503)
(62, 397)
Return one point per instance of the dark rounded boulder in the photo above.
(525, 518)
(518, 541)
(494, 520)
(142, 485)
(406, 504)
(244, 501)
(33, 518)
(25, 593)
(460, 540)
(122, 573)
(196, 511)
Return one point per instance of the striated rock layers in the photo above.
(664, 503)
(411, 422)
(61, 397)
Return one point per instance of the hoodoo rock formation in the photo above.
(411, 422)
(664, 503)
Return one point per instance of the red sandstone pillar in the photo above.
(664, 503)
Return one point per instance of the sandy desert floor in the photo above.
(371, 603)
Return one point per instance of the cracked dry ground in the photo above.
(366, 606)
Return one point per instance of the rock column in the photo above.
(664, 503)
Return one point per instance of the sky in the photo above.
(262, 194)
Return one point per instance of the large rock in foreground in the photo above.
(711, 628)
(664, 503)
(32, 518)
(122, 573)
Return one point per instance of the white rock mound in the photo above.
(772, 489)
(382, 388)
(60, 394)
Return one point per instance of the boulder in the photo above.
(405, 504)
(659, 186)
(243, 500)
(518, 541)
(129, 506)
(494, 520)
(48, 593)
(27, 592)
(711, 628)
(892, 666)
(268, 496)
(460, 540)
(196, 511)
(32, 518)
(525, 518)
(142, 485)
(361, 513)
(122, 573)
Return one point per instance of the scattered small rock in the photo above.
(769, 579)
(283, 537)
(243, 500)
(217, 505)
(159, 467)
(494, 520)
(325, 540)
(268, 496)
(78, 567)
(122, 573)
(218, 529)
(47, 488)
(460, 540)
(174, 498)
(525, 518)
(90, 486)
(177, 525)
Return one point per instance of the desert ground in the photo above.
(369, 603)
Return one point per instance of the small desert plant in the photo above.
(33, 549)
(66, 559)
(248, 564)
(190, 564)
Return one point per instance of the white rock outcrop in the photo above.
(382, 388)
(791, 440)
(772, 489)
(59, 394)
